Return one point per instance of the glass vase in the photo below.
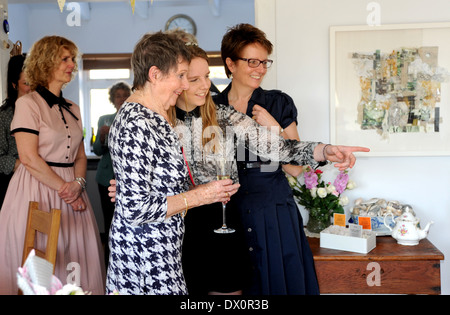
(317, 224)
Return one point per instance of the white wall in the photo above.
(300, 31)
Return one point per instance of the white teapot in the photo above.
(406, 230)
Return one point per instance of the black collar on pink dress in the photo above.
(52, 99)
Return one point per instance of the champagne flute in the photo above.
(223, 169)
(107, 122)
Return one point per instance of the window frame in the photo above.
(95, 62)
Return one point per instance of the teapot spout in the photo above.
(423, 233)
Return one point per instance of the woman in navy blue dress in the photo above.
(281, 258)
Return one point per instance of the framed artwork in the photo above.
(390, 88)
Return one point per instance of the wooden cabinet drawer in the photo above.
(382, 277)
(389, 268)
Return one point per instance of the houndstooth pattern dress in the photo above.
(145, 245)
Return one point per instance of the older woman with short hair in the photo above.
(153, 193)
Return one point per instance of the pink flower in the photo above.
(310, 179)
(341, 182)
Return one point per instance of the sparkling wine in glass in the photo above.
(108, 122)
(223, 168)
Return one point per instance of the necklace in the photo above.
(139, 97)
(167, 119)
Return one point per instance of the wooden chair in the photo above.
(46, 223)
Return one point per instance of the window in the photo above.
(100, 72)
(217, 75)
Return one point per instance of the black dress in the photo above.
(281, 258)
(211, 261)
(8, 149)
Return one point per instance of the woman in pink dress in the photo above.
(49, 136)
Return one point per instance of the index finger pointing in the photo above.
(359, 149)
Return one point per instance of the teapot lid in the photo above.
(408, 214)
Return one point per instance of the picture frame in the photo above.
(390, 88)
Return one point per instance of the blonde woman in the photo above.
(49, 136)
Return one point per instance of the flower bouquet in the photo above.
(321, 199)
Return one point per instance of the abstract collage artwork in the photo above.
(400, 90)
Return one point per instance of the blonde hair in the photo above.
(207, 111)
(44, 57)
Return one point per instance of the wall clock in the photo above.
(182, 21)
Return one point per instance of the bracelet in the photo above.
(323, 151)
(82, 182)
(187, 206)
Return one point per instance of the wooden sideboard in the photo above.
(389, 268)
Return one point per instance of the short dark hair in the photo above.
(156, 49)
(237, 38)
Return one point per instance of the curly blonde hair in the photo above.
(44, 58)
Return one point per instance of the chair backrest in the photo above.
(46, 223)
